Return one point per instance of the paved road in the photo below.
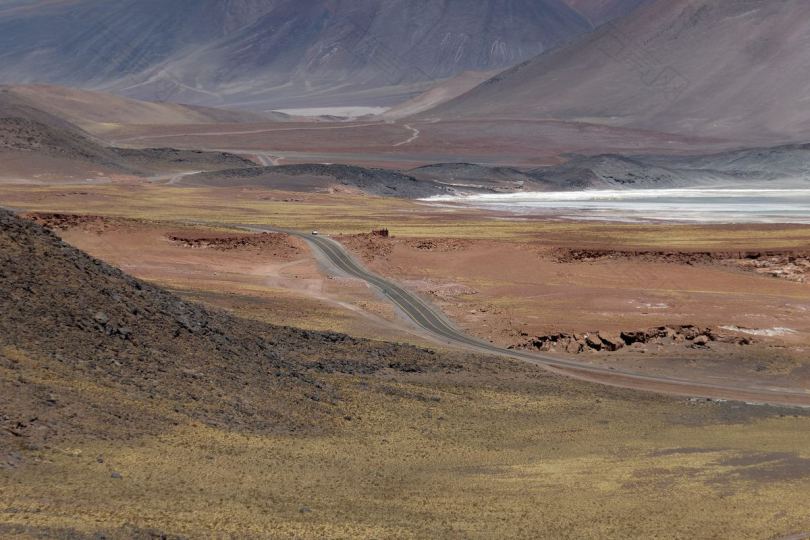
(431, 320)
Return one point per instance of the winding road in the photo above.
(416, 134)
(431, 320)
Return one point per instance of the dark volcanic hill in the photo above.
(317, 177)
(273, 53)
(88, 351)
(469, 177)
(98, 328)
(733, 69)
(786, 166)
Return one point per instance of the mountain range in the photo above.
(274, 53)
(729, 71)
(734, 69)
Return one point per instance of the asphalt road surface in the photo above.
(432, 321)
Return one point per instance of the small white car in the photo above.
(315, 233)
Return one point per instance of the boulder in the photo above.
(690, 332)
(701, 342)
(630, 338)
(574, 347)
(593, 342)
(611, 342)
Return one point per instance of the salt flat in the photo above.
(349, 111)
(698, 205)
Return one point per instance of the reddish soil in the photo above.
(269, 276)
(373, 246)
(702, 311)
(89, 351)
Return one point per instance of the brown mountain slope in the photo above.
(438, 94)
(731, 69)
(32, 134)
(35, 142)
(93, 110)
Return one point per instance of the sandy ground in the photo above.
(495, 142)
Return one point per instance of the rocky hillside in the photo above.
(477, 178)
(24, 135)
(774, 167)
(86, 350)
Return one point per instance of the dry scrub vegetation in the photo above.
(355, 214)
(488, 451)
(346, 438)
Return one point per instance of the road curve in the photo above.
(415, 135)
(431, 320)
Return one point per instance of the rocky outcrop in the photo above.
(793, 265)
(280, 243)
(601, 342)
(66, 222)
(369, 247)
(789, 267)
(440, 245)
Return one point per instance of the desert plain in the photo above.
(175, 362)
(473, 445)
